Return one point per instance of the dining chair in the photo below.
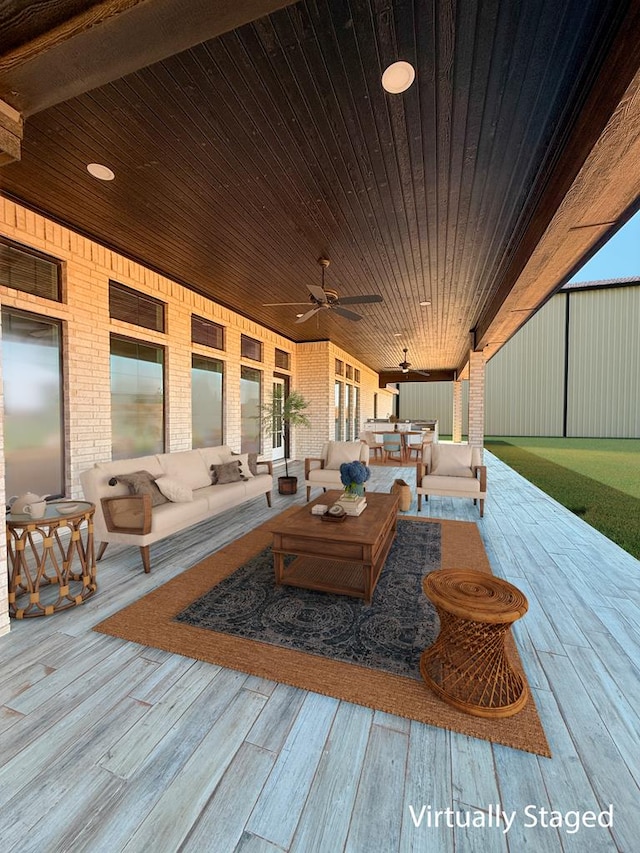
(414, 445)
(391, 444)
(370, 439)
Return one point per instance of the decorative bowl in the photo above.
(67, 509)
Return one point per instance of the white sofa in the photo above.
(452, 470)
(130, 519)
(323, 471)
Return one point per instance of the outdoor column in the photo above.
(476, 399)
(457, 410)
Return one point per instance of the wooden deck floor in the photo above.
(108, 746)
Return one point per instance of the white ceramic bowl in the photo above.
(67, 509)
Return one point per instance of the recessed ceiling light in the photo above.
(397, 334)
(102, 173)
(299, 315)
(426, 302)
(398, 77)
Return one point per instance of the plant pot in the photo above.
(287, 485)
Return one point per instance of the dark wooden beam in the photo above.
(394, 376)
(11, 127)
(111, 39)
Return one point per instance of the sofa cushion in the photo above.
(228, 472)
(143, 483)
(174, 490)
(452, 460)
(126, 466)
(342, 451)
(215, 455)
(188, 467)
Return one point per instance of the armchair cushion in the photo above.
(343, 451)
(452, 460)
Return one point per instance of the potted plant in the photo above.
(290, 412)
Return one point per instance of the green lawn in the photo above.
(598, 479)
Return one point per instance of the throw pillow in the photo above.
(174, 490)
(228, 472)
(142, 483)
(253, 462)
(244, 460)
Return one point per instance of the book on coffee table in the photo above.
(353, 505)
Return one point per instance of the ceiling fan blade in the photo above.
(421, 372)
(350, 315)
(275, 304)
(355, 300)
(317, 292)
(309, 314)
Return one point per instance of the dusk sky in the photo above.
(620, 258)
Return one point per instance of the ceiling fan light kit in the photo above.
(405, 365)
(323, 298)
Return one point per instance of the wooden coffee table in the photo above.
(345, 558)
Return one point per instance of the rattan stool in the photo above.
(467, 665)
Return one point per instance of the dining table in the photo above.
(404, 439)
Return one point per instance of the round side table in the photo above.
(467, 665)
(53, 551)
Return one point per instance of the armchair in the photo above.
(324, 471)
(451, 470)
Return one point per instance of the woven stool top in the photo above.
(475, 595)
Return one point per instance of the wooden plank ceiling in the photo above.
(241, 160)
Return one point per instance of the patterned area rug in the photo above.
(392, 685)
(390, 634)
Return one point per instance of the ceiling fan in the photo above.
(405, 366)
(322, 299)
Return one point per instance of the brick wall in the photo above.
(87, 269)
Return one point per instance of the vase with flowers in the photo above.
(353, 476)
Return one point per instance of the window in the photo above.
(137, 308)
(356, 412)
(250, 397)
(283, 360)
(349, 372)
(137, 398)
(347, 413)
(30, 272)
(337, 415)
(33, 423)
(207, 376)
(250, 348)
(356, 374)
(339, 367)
(207, 333)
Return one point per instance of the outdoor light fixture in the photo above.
(398, 77)
(102, 173)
